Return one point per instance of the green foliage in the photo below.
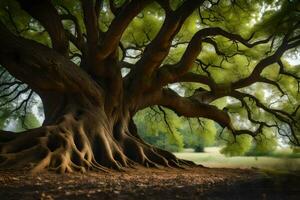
(277, 21)
(184, 133)
(237, 147)
(198, 134)
(154, 130)
(265, 144)
(28, 122)
(14, 114)
(17, 122)
(244, 18)
(4, 114)
(144, 28)
(296, 150)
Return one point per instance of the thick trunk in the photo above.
(88, 114)
(78, 135)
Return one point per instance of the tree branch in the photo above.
(275, 58)
(77, 40)
(281, 115)
(159, 48)
(47, 15)
(91, 24)
(195, 47)
(117, 27)
(41, 67)
(189, 107)
(196, 78)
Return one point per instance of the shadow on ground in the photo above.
(141, 183)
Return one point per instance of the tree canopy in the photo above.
(235, 62)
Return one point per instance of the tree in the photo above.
(95, 63)
(199, 134)
(10, 112)
(163, 131)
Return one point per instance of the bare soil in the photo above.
(142, 183)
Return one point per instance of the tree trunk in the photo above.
(88, 113)
(78, 135)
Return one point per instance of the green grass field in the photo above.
(212, 158)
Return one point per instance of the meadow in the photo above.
(283, 161)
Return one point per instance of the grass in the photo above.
(212, 158)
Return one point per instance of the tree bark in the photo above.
(78, 135)
(88, 122)
(89, 108)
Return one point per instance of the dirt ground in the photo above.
(141, 183)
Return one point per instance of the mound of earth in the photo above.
(142, 183)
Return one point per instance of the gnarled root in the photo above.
(67, 147)
(53, 148)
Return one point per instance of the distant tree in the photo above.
(160, 129)
(96, 63)
(17, 111)
(198, 134)
(238, 146)
(264, 145)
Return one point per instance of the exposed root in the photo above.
(70, 146)
(152, 156)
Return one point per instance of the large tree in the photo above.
(96, 63)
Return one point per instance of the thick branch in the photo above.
(159, 48)
(275, 58)
(195, 47)
(76, 39)
(91, 24)
(260, 66)
(189, 107)
(196, 78)
(41, 67)
(47, 15)
(119, 24)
